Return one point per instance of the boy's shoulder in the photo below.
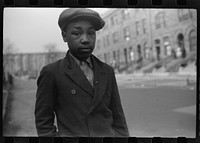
(102, 64)
(53, 65)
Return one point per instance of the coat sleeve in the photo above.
(44, 106)
(119, 121)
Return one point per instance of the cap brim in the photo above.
(94, 20)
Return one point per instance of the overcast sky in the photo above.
(30, 29)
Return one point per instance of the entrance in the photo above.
(158, 53)
(125, 57)
(180, 41)
(157, 43)
(139, 53)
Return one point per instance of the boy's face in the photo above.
(80, 36)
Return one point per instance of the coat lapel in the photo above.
(72, 70)
(100, 83)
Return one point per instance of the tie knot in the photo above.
(85, 63)
(82, 63)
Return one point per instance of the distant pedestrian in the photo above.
(10, 80)
(80, 89)
(4, 79)
(174, 53)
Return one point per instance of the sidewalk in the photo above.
(19, 116)
(141, 80)
(158, 75)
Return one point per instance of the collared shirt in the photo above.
(88, 60)
(87, 68)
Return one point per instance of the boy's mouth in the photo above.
(85, 49)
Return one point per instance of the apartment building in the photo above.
(147, 35)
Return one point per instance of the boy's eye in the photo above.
(92, 33)
(76, 33)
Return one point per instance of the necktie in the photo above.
(87, 71)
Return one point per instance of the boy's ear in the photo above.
(64, 35)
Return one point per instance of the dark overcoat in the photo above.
(81, 110)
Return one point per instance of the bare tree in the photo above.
(8, 49)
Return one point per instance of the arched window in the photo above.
(131, 52)
(167, 46)
(115, 37)
(181, 52)
(193, 40)
(127, 33)
(146, 51)
(160, 20)
(184, 14)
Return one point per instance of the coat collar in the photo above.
(72, 70)
(88, 60)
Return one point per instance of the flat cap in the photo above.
(73, 14)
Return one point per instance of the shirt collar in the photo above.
(88, 60)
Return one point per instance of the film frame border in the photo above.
(116, 4)
(102, 3)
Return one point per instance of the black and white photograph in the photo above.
(99, 72)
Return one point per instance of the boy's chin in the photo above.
(83, 57)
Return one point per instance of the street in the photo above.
(153, 107)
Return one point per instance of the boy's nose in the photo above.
(84, 40)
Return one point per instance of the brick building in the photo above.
(135, 38)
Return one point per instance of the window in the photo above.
(98, 43)
(132, 55)
(106, 25)
(115, 37)
(184, 14)
(105, 57)
(114, 20)
(144, 25)
(157, 42)
(127, 33)
(160, 20)
(146, 51)
(106, 42)
(193, 40)
(137, 27)
(107, 39)
(167, 47)
(118, 57)
(125, 14)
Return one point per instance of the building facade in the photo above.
(29, 63)
(134, 35)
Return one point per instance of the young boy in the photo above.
(80, 89)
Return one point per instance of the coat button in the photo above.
(73, 91)
(107, 115)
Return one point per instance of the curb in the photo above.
(5, 99)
